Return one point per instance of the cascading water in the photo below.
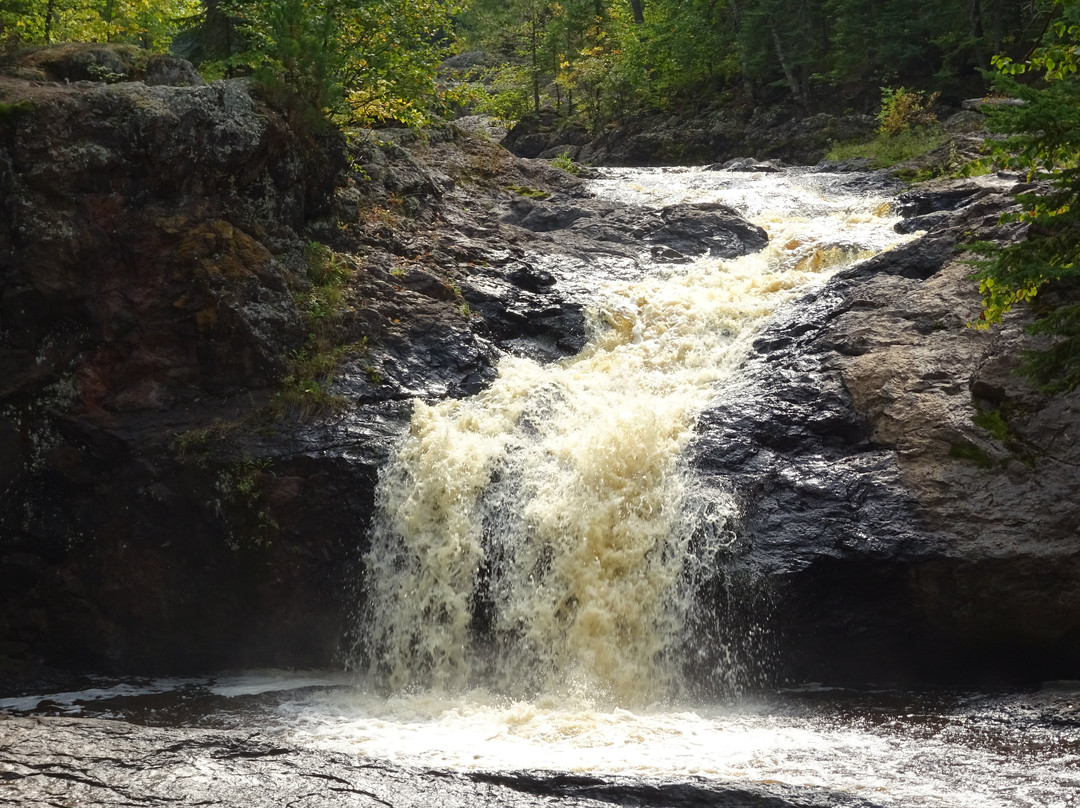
(536, 538)
(532, 587)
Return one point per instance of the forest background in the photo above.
(603, 62)
(600, 61)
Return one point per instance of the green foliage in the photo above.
(292, 51)
(903, 109)
(526, 191)
(566, 163)
(9, 111)
(971, 453)
(149, 24)
(502, 92)
(326, 270)
(198, 443)
(906, 129)
(351, 61)
(994, 423)
(242, 489)
(1043, 139)
(889, 150)
(600, 60)
(305, 386)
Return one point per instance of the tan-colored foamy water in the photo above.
(534, 538)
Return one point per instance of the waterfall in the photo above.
(541, 537)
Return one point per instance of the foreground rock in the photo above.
(909, 504)
(46, 761)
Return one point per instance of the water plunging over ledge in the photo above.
(541, 538)
(532, 585)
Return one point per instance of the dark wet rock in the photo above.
(943, 195)
(94, 762)
(149, 304)
(747, 165)
(855, 180)
(715, 227)
(672, 233)
(893, 536)
(927, 221)
(860, 164)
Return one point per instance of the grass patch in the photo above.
(10, 110)
(993, 422)
(526, 191)
(973, 454)
(887, 150)
(566, 163)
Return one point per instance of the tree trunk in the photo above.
(744, 67)
(638, 7)
(978, 33)
(535, 68)
(793, 83)
(50, 10)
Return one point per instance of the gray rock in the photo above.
(171, 71)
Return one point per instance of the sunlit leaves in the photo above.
(148, 23)
(1043, 141)
(357, 61)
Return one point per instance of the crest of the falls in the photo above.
(540, 536)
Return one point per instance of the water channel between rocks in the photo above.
(532, 587)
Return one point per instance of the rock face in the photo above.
(152, 257)
(775, 133)
(908, 502)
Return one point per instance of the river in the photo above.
(533, 587)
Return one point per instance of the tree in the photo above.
(147, 23)
(355, 60)
(1043, 140)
